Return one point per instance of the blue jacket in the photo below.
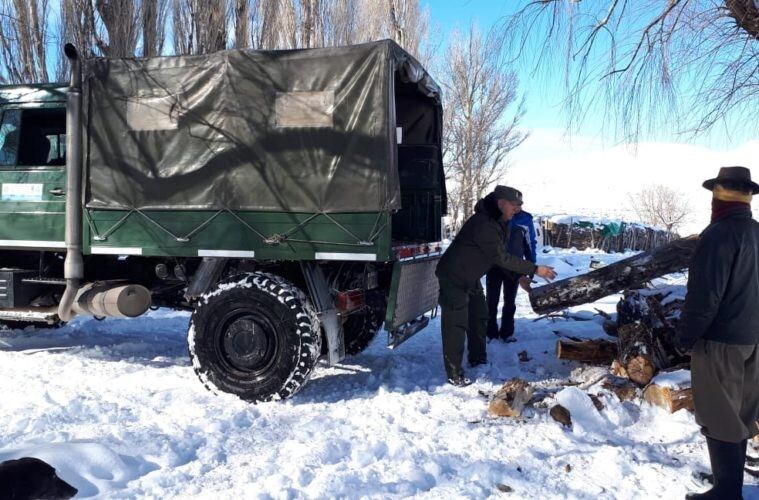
(525, 221)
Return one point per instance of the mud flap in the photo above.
(413, 293)
(325, 307)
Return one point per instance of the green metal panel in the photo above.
(27, 222)
(270, 236)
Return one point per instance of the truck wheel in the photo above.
(360, 328)
(256, 336)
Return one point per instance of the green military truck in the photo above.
(292, 200)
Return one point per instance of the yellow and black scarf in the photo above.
(725, 200)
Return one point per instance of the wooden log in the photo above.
(561, 415)
(597, 351)
(618, 370)
(641, 352)
(668, 398)
(632, 272)
(511, 399)
(621, 387)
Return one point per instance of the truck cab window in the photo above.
(42, 140)
(9, 128)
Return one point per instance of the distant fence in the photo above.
(617, 237)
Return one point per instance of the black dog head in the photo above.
(31, 478)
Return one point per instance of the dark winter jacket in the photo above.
(525, 221)
(722, 303)
(480, 245)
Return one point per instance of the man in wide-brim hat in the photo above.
(720, 327)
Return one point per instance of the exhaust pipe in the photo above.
(73, 267)
(114, 300)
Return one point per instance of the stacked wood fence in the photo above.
(631, 237)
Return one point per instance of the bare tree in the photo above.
(483, 112)
(684, 63)
(23, 37)
(242, 24)
(153, 26)
(199, 26)
(661, 206)
(408, 25)
(120, 21)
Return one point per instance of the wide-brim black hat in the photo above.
(733, 176)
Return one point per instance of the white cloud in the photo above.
(580, 175)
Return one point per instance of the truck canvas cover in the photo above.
(297, 130)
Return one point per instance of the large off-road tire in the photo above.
(256, 336)
(360, 327)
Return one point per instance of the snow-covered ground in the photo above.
(117, 409)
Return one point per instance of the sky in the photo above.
(588, 171)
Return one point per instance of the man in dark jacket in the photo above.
(521, 243)
(479, 245)
(720, 327)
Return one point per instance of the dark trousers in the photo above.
(464, 317)
(494, 281)
(725, 380)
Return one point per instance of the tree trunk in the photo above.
(596, 351)
(632, 272)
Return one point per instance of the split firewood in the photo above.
(618, 370)
(671, 400)
(511, 399)
(627, 273)
(621, 387)
(561, 415)
(587, 351)
(671, 391)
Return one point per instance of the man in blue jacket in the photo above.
(521, 243)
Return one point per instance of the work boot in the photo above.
(727, 461)
(477, 362)
(459, 381)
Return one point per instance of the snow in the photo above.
(116, 408)
(678, 379)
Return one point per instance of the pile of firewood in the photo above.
(645, 329)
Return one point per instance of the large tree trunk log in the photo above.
(632, 272)
(587, 351)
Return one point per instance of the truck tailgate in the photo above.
(413, 293)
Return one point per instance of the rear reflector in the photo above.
(350, 300)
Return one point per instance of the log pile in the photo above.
(646, 325)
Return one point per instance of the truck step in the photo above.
(43, 280)
(47, 315)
